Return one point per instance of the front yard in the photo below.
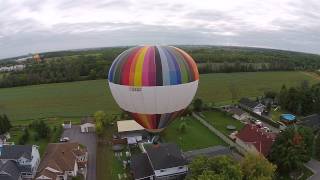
(221, 120)
(196, 136)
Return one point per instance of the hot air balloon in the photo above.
(154, 84)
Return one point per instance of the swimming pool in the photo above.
(288, 117)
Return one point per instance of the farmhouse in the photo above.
(26, 158)
(312, 121)
(255, 140)
(238, 113)
(87, 125)
(130, 130)
(62, 161)
(253, 106)
(160, 161)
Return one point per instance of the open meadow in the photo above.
(76, 99)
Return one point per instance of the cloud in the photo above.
(44, 25)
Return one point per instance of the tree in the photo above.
(292, 148)
(256, 167)
(102, 117)
(5, 124)
(198, 104)
(221, 167)
(41, 127)
(183, 127)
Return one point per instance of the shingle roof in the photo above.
(249, 103)
(165, 155)
(16, 151)
(237, 111)
(312, 121)
(59, 156)
(259, 138)
(141, 166)
(9, 171)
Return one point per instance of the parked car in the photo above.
(64, 139)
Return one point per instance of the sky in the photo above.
(33, 26)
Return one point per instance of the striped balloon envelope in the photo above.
(154, 84)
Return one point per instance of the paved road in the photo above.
(314, 166)
(89, 140)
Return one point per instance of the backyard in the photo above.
(196, 136)
(221, 120)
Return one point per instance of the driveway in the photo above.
(314, 166)
(89, 140)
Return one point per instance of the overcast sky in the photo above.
(31, 26)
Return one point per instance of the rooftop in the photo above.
(15, 151)
(128, 125)
(259, 138)
(249, 103)
(141, 166)
(166, 155)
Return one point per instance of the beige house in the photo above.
(62, 161)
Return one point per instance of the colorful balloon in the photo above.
(153, 83)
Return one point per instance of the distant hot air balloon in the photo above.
(154, 84)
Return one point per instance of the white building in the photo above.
(130, 130)
(87, 125)
(18, 67)
(27, 158)
(67, 125)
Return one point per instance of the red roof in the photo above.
(258, 137)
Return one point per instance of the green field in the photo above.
(196, 136)
(76, 99)
(220, 121)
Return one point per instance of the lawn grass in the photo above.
(76, 99)
(221, 120)
(108, 166)
(196, 136)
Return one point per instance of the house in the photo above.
(67, 125)
(9, 171)
(255, 140)
(312, 121)
(62, 161)
(253, 106)
(159, 162)
(238, 113)
(87, 125)
(130, 130)
(26, 157)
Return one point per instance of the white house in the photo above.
(62, 161)
(87, 125)
(253, 106)
(130, 130)
(27, 158)
(159, 162)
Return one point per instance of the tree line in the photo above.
(301, 100)
(67, 66)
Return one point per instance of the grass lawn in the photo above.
(275, 114)
(196, 136)
(108, 166)
(76, 99)
(220, 121)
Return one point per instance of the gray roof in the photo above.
(141, 166)
(15, 151)
(209, 152)
(9, 171)
(166, 155)
(312, 121)
(249, 103)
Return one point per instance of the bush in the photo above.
(183, 127)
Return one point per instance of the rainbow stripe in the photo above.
(155, 122)
(153, 66)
